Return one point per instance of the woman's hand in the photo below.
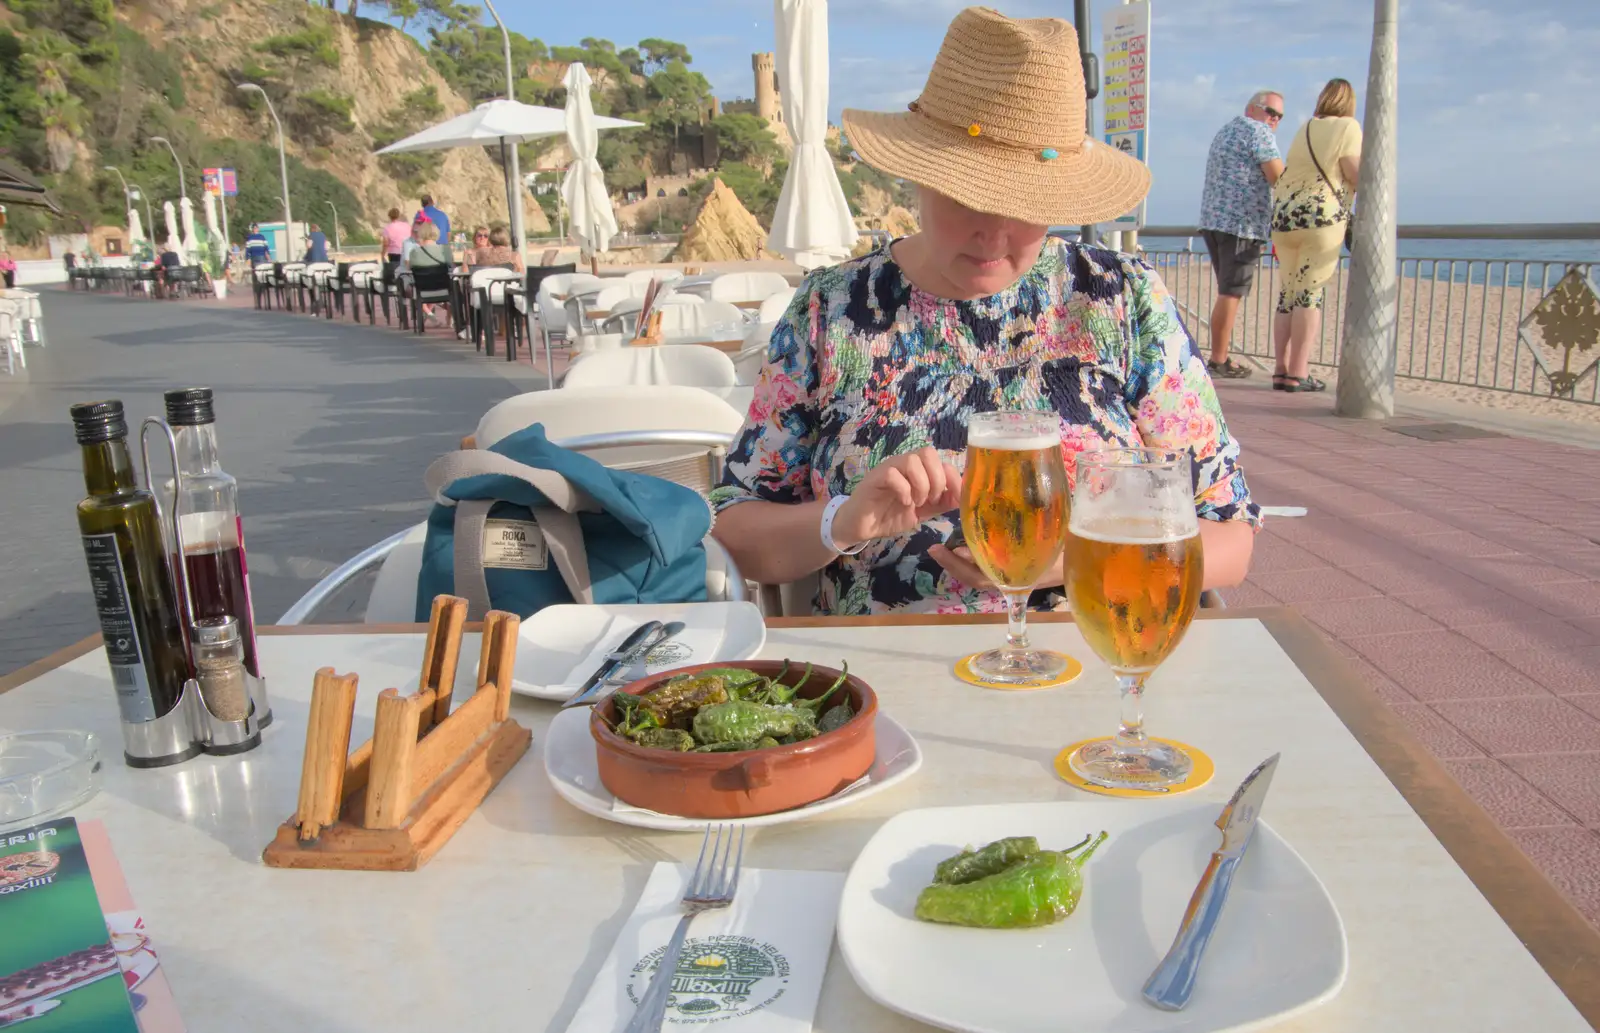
(896, 496)
(959, 564)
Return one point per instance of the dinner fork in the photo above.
(715, 880)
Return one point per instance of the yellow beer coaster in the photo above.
(1201, 773)
(965, 672)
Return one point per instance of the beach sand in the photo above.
(1462, 334)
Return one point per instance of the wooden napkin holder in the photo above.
(391, 804)
(649, 332)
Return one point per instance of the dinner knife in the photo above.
(614, 661)
(1171, 984)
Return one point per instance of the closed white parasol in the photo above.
(812, 225)
(584, 188)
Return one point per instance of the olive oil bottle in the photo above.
(133, 592)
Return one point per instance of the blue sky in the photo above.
(1496, 97)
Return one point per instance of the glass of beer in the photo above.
(1014, 502)
(1134, 568)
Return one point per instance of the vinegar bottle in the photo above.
(209, 522)
(133, 593)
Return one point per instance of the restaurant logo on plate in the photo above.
(718, 978)
(668, 654)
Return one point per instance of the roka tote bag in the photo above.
(526, 524)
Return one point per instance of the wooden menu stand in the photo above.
(650, 333)
(391, 804)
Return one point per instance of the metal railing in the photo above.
(1459, 317)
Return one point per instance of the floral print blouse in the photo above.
(1237, 198)
(864, 365)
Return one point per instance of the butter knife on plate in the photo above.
(613, 662)
(1171, 984)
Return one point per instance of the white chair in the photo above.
(29, 313)
(747, 287)
(11, 337)
(398, 559)
(579, 412)
(316, 277)
(581, 306)
(682, 315)
(354, 286)
(551, 303)
(486, 291)
(692, 365)
(661, 275)
(773, 308)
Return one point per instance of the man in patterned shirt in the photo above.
(1236, 214)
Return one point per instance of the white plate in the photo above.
(562, 645)
(569, 760)
(1279, 948)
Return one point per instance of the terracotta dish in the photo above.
(744, 784)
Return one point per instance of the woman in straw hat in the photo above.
(850, 455)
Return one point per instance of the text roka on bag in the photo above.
(526, 524)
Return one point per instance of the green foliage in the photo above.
(472, 60)
(322, 114)
(312, 45)
(412, 170)
(900, 192)
(757, 191)
(151, 70)
(746, 138)
(659, 53)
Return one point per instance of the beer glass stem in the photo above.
(1017, 620)
(1130, 737)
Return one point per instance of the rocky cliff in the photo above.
(376, 66)
(723, 230)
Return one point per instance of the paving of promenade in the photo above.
(1461, 578)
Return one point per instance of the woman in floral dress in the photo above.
(849, 461)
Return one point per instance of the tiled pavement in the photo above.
(1462, 580)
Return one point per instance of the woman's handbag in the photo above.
(527, 524)
(1346, 210)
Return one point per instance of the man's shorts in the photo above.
(1234, 260)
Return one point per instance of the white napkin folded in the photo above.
(755, 967)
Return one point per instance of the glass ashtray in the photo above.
(45, 774)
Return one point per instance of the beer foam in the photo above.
(1004, 440)
(1130, 532)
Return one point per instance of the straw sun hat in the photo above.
(999, 127)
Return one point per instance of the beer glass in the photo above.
(1134, 569)
(1014, 503)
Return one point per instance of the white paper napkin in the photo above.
(693, 645)
(755, 967)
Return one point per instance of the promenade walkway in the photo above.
(1462, 579)
(1459, 574)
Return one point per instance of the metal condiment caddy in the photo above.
(195, 721)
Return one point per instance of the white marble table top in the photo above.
(505, 928)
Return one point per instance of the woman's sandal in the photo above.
(1309, 383)
(1281, 382)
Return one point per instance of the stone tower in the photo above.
(767, 105)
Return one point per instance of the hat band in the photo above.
(976, 130)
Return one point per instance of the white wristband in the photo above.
(828, 514)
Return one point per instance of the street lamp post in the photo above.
(1367, 362)
(283, 166)
(126, 201)
(335, 208)
(183, 187)
(516, 163)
